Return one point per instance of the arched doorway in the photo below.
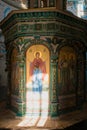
(37, 81)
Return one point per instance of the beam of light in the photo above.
(42, 121)
(37, 101)
(37, 104)
(28, 121)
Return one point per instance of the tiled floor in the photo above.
(8, 120)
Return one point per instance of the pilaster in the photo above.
(53, 91)
(22, 98)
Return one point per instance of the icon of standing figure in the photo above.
(37, 71)
(64, 71)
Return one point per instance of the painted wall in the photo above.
(67, 77)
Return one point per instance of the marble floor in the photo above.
(10, 122)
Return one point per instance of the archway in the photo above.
(37, 81)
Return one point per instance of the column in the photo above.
(53, 90)
(22, 99)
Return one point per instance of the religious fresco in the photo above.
(37, 80)
(15, 73)
(67, 71)
(67, 78)
(42, 52)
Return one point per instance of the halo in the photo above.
(38, 52)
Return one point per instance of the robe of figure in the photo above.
(37, 73)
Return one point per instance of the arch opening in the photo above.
(37, 81)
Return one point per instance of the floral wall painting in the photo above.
(37, 80)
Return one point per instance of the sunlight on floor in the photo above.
(37, 109)
(39, 121)
(37, 104)
(28, 122)
(42, 121)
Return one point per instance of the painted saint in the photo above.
(37, 72)
(64, 71)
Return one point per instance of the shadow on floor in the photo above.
(5, 129)
(79, 126)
